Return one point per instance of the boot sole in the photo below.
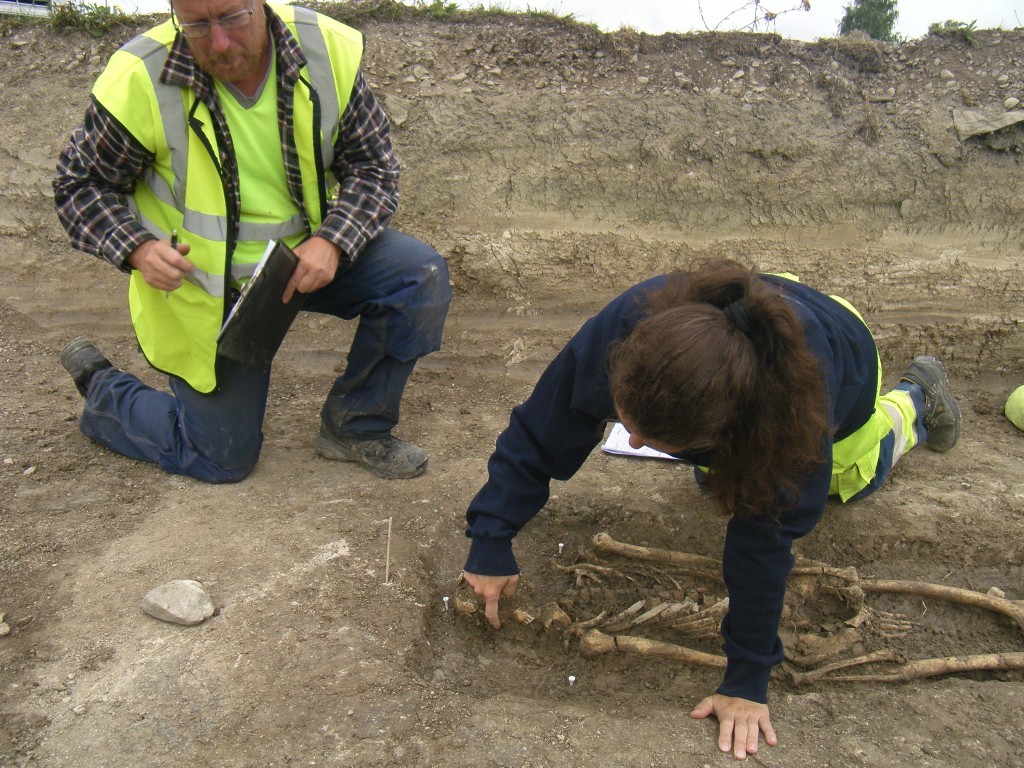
(949, 406)
(80, 373)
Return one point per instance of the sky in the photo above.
(660, 16)
(822, 20)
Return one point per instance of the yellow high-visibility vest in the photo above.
(183, 189)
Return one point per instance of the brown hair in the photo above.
(741, 383)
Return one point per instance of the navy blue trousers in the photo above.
(399, 290)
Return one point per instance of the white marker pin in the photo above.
(445, 603)
(572, 680)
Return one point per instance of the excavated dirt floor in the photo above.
(553, 166)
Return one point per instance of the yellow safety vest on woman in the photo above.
(184, 191)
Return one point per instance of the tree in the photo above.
(875, 17)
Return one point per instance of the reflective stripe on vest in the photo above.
(214, 284)
(183, 188)
(318, 65)
(209, 226)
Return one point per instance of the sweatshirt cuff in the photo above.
(746, 680)
(491, 557)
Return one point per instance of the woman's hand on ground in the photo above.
(740, 723)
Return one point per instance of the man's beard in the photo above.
(231, 66)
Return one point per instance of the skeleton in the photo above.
(809, 656)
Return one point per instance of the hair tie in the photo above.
(740, 316)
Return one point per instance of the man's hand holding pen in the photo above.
(162, 262)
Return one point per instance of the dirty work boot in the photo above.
(386, 457)
(941, 413)
(82, 359)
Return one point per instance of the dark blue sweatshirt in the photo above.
(552, 433)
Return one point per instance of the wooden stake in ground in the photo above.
(387, 556)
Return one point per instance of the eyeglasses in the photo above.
(235, 20)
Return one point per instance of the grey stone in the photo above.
(180, 602)
(396, 107)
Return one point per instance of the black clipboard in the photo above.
(257, 324)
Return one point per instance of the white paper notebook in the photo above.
(617, 443)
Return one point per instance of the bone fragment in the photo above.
(589, 567)
(1014, 609)
(552, 613)
(920, 668)
(671, 578)
(805, 678)
(704, 566)
(595, 643)
(584, 571)
(675, 612)
(467, 607)
(805, 567)
(582, 626)
(621, 620)
(645, 617)
(817, 650)
(707, 629)
(704, 623)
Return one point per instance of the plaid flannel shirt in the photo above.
(102, 162)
